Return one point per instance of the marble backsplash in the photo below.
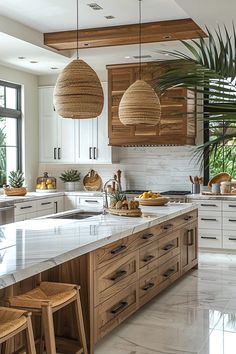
(150, 168)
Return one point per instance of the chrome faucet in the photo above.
(105, 204)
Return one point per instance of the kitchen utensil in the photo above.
(153, 201)
(92, 181)
(196, 180)
(196, 188)
(221, 177)
(191, 179)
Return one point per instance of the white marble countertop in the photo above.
(211, 197)
(30, 196)
(32, 246)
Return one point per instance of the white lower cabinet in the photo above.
(82, 201)
(39, 207)
(210, 238)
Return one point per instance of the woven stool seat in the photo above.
(54, 294)
(10, 320)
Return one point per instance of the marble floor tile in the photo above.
(197, 315)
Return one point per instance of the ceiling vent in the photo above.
(95, 6)
(142, 56)
(110, 17)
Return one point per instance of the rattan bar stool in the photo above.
(47, 299)
(12, 322)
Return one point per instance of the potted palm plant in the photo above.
(208, 66)
(16, 181)
(71, 180)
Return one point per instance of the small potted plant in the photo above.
(71, 180)
(16, 181)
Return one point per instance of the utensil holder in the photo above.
(195, 188)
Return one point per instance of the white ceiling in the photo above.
(22, 24)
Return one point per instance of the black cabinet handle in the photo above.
(209, 205)
(147, 236)
(90, 153)
(27, 207)
(94, 153)
(91, 201)
(148, 258)
(168, 247)
(118, 308)
(232, 220)
(190, 237)
(209, 238)
(59, 153)
(55, 153)
(118, 249)
(118, 275)
(169, 272)
(208, 219)
(188, 217)
(167, 226)
(232, 238)
(232, 206)
(148, 286)
(46, 203)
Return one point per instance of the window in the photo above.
(10, 129)
(222, 158)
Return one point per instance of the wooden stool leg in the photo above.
(49, 334)
(5, 347)
(80, 323)
(30, 345)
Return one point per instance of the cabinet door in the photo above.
(66, 140)
(48, 122)
(84, 140)
(189, 247)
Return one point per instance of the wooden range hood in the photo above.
(161, 31)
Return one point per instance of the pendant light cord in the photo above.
(140, 37)
(77, 29)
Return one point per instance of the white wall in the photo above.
(29, 84)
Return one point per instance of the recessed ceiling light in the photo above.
(127, 57)
(21, 58)
(109, 17)
(54, 68)
(33, 62)
(166, 54)
(95, 6)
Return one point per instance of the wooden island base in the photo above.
(117, 279)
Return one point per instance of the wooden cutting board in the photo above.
(92, 181)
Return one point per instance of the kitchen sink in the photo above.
(80, 215)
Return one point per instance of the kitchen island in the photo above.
(120, 263)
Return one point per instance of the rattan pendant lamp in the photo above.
(78, 92)
(140, 103)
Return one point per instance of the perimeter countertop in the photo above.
(193, 197)
(33, 246)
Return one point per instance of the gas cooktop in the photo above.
(137, 191)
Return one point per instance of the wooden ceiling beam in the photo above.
(161, 31)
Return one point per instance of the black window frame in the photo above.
(14, 113)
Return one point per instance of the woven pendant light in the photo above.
(78, 92)
(140, 103)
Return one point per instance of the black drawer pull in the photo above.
(118, 249)
(118, 275)
(169, 272)
(232, 238)
(209, 238)
(59, 153)
(168, 247)
(55, 153)
(209, 205)
(232, 220)
(147, 236)
(148, 286)
(148, 258)
(188, 217)
(208, 219)
(167, 226)
(232, 206)
(120, 307)
(46, 203)
(90, 153)
(91, 201)
(27, 207)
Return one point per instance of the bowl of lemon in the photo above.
(152, 198)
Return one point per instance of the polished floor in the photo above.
(195, 316)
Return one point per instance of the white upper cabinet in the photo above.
(57, 135)
(72, 141)
(92, 139)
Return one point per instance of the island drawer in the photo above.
(169, 246)
(229, 239)
(112, 312)
(25, 207)
(148, 286)
(148, 258)
(109, 280)
(169, 271)
(180, 220)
